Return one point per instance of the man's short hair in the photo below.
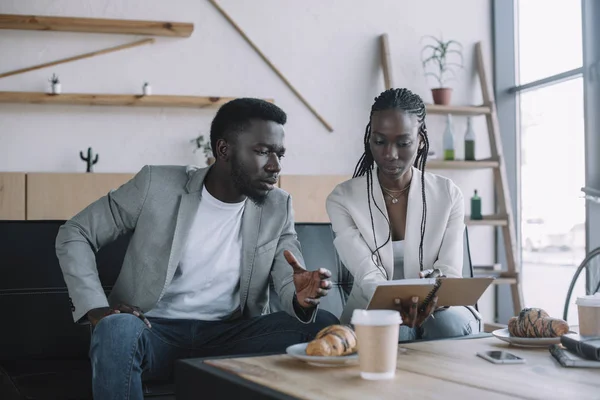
(236, 115)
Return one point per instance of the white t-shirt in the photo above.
(206, 284)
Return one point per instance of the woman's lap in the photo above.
(445, 323)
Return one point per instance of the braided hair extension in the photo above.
(405, 100)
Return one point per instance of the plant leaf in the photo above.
(459, 53)
(455, 65)
(449, 42)
(434, 57)
(438, 41)
(437, 78)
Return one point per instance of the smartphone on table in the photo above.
(501, 357)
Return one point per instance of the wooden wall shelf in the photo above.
(461, 164)
(115, 99)
(95, 25)
(502, 277)
(457, 110)
(488, 220)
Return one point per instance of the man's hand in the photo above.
(95, 315)
(411, 316)
(310, 285)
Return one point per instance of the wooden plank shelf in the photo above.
(457, 110)
(502, 277)
(488, 220)
(95, 25)
(129, 100)
(492, 268)
(462, 164)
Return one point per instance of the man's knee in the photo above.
(325, 318)
(119, 328)
(322, 320)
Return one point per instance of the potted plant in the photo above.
(201, 144)
(55, 84)
(437, 58)
(147, 89)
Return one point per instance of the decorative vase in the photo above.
(469, 142)
(448, 140)
(56, 88)
(441, 96)
(147, 90)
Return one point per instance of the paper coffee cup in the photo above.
(377, 335)
(588, 308)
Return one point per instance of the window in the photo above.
(543, 125)
(549, 38)
(552, 210)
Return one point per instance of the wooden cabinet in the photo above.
(309, 193)
(12, 195)
(62, 195)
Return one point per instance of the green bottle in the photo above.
(476, 206)
(469, 142)
(448, 140)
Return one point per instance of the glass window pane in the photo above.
(553, 212)
(549, 38)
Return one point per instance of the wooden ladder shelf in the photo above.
(503, 203)
(503, 218)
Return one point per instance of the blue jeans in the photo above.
(124, 350)
(445, 323)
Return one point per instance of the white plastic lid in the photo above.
(376, 317)
(592, 300)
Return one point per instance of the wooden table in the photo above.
(427, 370)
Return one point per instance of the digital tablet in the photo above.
(451, 291)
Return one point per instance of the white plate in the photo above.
(299, 351)
(503, 334)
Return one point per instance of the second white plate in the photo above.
(299, 351)
(504, 335)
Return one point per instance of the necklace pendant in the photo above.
(394, 201)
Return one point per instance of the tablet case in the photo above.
(451, 292)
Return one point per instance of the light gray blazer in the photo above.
(348, 209)
(158, 206)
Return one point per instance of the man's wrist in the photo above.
(296, 302)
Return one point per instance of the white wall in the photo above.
(328, 49)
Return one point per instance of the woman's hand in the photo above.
(411, 315)
(431, 273)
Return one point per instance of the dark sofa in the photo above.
(43, 353)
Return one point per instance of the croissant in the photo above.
(536, 323)
(335, 340)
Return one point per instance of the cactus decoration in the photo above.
(88, 159)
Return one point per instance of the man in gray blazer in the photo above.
(195, 277)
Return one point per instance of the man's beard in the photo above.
(243, 183)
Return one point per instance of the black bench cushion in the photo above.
(34, 297)
(42, 352)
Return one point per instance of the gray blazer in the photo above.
(158, 206)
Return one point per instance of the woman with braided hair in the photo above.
(393, 220)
